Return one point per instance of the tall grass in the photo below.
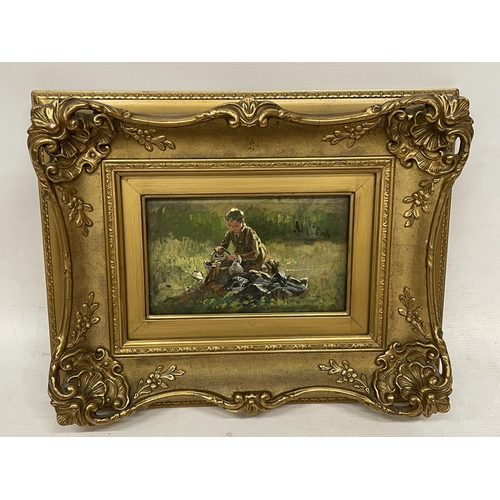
(307, 235)
(172, 261)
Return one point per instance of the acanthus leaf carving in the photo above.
(422, 131)
(252, 402)
(248, 112)
(413, 378)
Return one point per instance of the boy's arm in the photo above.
(226, 240)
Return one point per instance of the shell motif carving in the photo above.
(70, 135)
(86, 386)
(423, 131)
(410, 377)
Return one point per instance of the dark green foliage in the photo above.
(284, 219)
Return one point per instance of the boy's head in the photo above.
(235, 219)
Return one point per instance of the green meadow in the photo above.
(308, 236)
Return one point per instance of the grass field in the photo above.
(172, 261)
(307, 235)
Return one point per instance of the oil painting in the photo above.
(247, 255)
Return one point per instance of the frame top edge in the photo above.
(235, 94)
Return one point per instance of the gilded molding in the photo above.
(86, 387)
(109, 167)
(236, 95)
(72, 134)
(84, 382)
(414, 378)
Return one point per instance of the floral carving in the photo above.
(157, 380)
(346, 374)
(84, 321)
(419, 200)
(352, 133)
(146, 138)
(412, 313)
(78, 208)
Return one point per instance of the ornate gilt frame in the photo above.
(98, 154)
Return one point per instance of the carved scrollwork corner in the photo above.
(413, 379)
(85, 385)
(423, 130)
(68, 136)
(410, 382)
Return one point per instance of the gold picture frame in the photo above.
(116, 168)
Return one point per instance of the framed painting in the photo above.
(246, 250)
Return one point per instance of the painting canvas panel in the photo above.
(247, 255)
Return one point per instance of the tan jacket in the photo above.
(247, 244)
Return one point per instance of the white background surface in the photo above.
(472, 312)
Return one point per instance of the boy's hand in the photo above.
(230, 258)
(219, 249)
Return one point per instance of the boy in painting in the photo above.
(247, 243)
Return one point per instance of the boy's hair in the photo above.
(235, 214)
